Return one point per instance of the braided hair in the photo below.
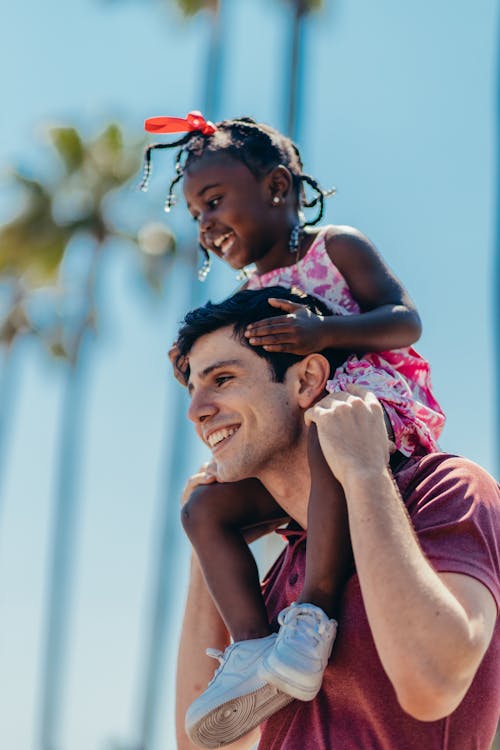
(260, 147)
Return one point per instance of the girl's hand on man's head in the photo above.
(300, 331)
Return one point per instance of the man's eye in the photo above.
(221, 379)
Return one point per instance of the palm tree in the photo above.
(176, 467)
(294, 83)
(33, 246)
(169, 545)
(13, 327)
(496, 278)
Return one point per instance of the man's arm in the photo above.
(202, 627)
(431, 631)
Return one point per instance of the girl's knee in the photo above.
(206, 507)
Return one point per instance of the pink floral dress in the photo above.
(399, 378)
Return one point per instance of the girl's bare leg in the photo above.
(328, 553)
(214, 519)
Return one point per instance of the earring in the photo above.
(169, 203)
(242, 275)
(204, 270)
(295, 237)
(276, 200)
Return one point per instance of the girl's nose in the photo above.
(205, 222)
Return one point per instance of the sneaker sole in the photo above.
(288, 685)
(233, 719)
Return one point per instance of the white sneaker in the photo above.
(236, 699)
(296, 663)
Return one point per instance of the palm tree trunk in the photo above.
(9, 380)
(496, 279)
(496, 302)
(64, 536)
(169, 545)
(294, 83)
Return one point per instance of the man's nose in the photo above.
(201, 408)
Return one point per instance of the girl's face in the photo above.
(234, 210)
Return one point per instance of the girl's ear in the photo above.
(279, 182)
(312, 374)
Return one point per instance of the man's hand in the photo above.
(352, 432)
(298, 332)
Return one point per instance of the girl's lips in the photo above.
(227, 245)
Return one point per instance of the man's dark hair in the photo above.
(243, 308)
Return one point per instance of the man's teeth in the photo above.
(220, 435)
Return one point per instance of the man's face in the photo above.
(250, 423)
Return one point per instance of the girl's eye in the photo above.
(213, 203)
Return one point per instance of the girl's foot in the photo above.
(300, 654)
(237, 699)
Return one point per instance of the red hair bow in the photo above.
(194, 121)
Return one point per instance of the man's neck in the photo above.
(290, 484)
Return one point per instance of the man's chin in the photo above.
(228, 473)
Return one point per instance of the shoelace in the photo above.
(304, 620)
(216, 653)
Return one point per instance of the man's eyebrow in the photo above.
(221, 363)
(216, 365)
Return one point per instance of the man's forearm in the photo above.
(430, 630)
(202, 627)
(428, 643)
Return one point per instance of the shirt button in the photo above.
(293, 579)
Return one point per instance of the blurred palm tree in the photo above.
(14, 325)
(31, 248)
(69, 210)
(168, 549)
(162, 626)
(496, 275)
(295, 54)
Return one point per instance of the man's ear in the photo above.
(312, 374)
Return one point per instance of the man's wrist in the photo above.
(360, 480)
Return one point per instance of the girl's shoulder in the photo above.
(337, 236)
(347, 246)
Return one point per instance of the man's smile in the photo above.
(216, 438)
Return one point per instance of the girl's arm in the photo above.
(388, 318)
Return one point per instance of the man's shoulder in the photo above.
(442, 466)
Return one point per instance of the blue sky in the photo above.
(399, 115)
